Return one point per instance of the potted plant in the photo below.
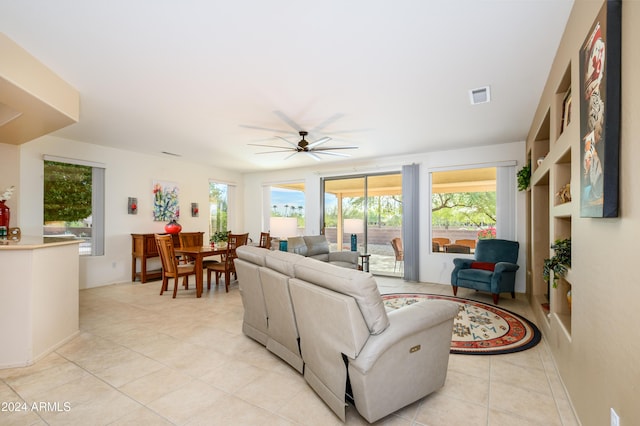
(524, 177)
(219, 237)
(559, 262)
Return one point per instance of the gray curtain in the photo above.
(411, 221)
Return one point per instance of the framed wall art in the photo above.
(165, 201)
(600, 114)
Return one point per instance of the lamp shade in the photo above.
(283, 227)
(353, 226)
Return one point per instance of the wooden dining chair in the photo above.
(190, 239)
(227, 266)
(457, 248)
(265, 240)
(441, 241)
(171, 268)
(470, 243)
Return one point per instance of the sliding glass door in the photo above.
(364, 213)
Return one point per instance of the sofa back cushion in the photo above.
(357, 284)
(252, 254)
(297, 245)
(282, 261)
(316, 244)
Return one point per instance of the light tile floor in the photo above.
(145, 359)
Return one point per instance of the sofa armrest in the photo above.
(506, 267)
(404, 323)
(463, 263)
(410, 358)
(344, 256)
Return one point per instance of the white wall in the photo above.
(127, 174)
(433, 267)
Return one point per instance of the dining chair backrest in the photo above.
(234, 241)
(457, 248)
(265, 240)
(470, 243)
(191, 239)
(167, 253)
(396, 243)
(441, 241)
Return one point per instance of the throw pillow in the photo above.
(487, 266)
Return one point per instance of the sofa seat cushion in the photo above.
(348, 265)
(357, 284)
(479, 275)
(323, 257)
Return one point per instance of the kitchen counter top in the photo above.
(33, 242)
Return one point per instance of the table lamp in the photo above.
(354, 227)
(282, 228)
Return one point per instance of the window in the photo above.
(74, 203)
(288, 200)
(471, 204)
(218, 207)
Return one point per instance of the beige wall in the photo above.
(127, 174)
(599, 365)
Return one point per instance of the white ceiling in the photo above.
(203, 79)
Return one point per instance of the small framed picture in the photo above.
(195, 210)
(566, 111)
(132, 207)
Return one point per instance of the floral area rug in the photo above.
(479, 328)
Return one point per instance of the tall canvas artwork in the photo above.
(600, 114)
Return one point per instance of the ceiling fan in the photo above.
(312, 149)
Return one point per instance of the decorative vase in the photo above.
(173, 227)
(5, 214)
(569, 299)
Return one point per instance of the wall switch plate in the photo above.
(615, 419)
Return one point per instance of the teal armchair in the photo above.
(493, 269)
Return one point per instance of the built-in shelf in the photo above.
(562, 210)
(554, 138)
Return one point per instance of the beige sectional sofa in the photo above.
(317, 247)
(330, 324)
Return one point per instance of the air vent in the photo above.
(481, 95)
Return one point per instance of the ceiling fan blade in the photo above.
(336, 154)
(284, 117)
(319, 142)
(289, 156)
(335, 147)
(249, 126)
(268, 146)
(289, 142)
(273, 152)
(312, 155)
(327, 122)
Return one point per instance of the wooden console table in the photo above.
(143, 247)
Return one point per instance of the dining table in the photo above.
(198, 254)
